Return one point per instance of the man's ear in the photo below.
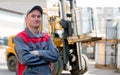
(26, 18)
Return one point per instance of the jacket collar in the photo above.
(31, 34)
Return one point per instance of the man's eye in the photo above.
(39, 16)
(33, 16)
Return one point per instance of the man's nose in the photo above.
(36, 18)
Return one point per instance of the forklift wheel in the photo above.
(84, 65)
(11, 63)
(57, 67)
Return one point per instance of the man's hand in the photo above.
(35, 52)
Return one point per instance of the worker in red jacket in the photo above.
(35, 50)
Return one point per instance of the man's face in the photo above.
(33, 19)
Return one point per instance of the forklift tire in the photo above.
(11, 63)
(86, 63)
(84, 67)
(57, 67)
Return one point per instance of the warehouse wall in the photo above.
(10, 23)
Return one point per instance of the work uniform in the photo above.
(30, 64)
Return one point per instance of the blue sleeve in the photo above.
(52, 54)
(24, 55)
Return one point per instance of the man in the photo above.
(35, 50)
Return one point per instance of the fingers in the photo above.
(35, 52)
